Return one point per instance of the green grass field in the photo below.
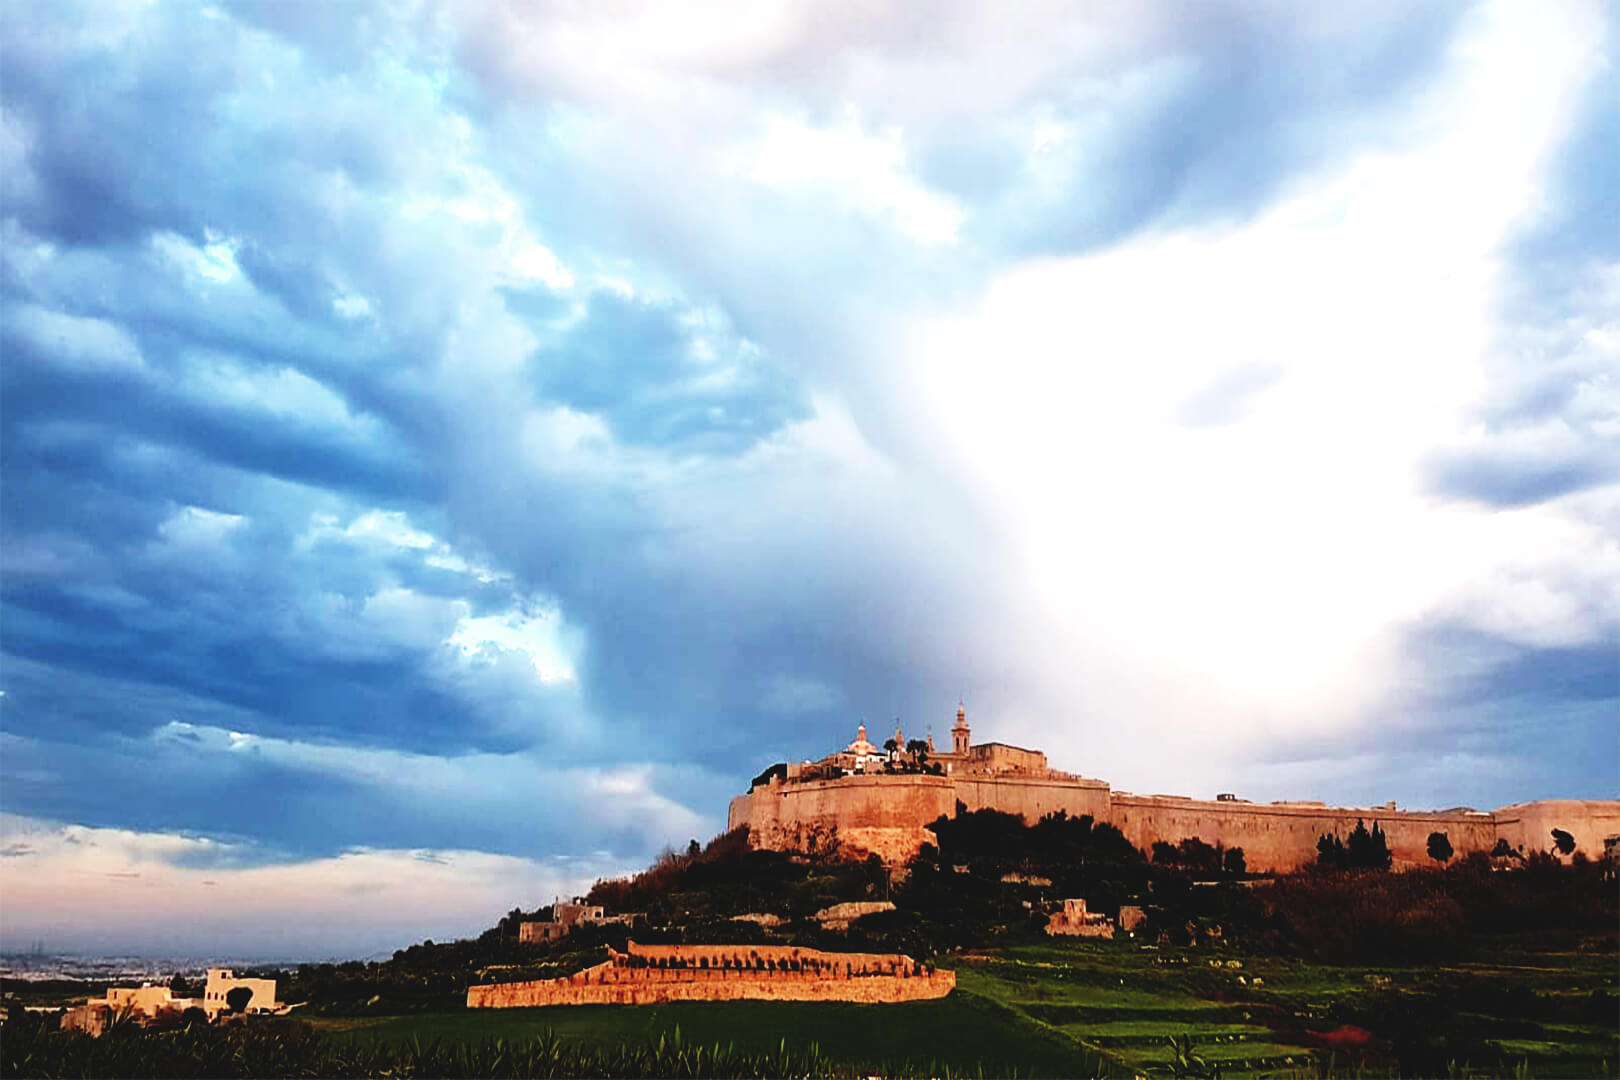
(963, 1034)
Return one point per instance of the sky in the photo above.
(450, 447)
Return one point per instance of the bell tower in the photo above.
(959, 732)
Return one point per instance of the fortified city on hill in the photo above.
(869, 800)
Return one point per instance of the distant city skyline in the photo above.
(449, 448)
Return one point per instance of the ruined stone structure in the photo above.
(859, 801)
(564, 918)
(1075, 921)
(652, 974)
(143, 1004)
(839, 916)
(148, 1002)
(221, 981)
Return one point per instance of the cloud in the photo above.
(122, 890)
(433, 416)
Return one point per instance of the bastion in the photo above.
(653, 974)
(864, 800)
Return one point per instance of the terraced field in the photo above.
(1538, 1014)
(1119, 999)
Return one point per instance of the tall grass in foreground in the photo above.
(292, 1049)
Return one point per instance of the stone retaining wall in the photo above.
(725, 973)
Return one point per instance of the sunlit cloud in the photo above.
(185, 895)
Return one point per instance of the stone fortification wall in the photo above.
(1530, 825)
(652, 974)
(1282, 836)
(885, 815)
(1031, 798)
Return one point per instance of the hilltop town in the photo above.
(865, 799)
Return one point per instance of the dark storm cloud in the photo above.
(1545, 426)
(660, 382)
(231, 434)
(1487, 722)
(258, 270)
(1499, 476)
(1551, 708)
(1578, 224)
(1208, 122)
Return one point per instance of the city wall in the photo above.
(1031, 798)
(653, 974)
(1280, 837)
(883, 815)
(888, 815)
(1530, 825)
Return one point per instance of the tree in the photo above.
(1563, 841)
(1439, 847)
(1368, 850)
(890, 745)
(694, 849)
(237, 998)
(1234, 862)
(1364, 850)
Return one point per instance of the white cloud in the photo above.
(214, 379)
(383, 529)
(541, 636)
(1231, 582)
(194, 530)
(845, 163)
(213, 263)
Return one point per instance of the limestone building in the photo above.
(148, 1002)
(221, 981)
(564, 919)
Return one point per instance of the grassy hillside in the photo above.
(963, 1035)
